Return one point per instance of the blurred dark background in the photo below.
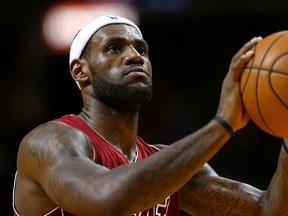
(191, 44)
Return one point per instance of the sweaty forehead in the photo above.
(117, 30)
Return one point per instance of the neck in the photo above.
(118, 126)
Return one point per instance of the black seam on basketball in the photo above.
(270, 82)
(249, 72)
(260, 66)
(265, 69)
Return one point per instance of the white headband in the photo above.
(83, 36)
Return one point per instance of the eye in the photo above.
(114, 49)
(141, 50)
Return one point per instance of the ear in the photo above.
(79, 71)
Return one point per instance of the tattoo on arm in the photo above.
(218, 200)
(41, 148)
(46, 144)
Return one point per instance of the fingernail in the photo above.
(256, 39)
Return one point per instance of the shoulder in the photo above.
(54, 133)
(48, 143)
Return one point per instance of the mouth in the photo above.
(136, 71)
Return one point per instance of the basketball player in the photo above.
(94, 164)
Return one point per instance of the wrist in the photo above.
(224, 124)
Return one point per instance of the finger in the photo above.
(247, 46)
(243, 56)
(243, 59)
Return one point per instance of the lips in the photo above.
(135, 70)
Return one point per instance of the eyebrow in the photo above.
(122, 39)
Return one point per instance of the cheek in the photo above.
(102, 65)
(149, 68)
(107, 70)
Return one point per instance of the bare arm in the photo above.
(276, 197)
(60, 160)
(62, 164)
(209, 194)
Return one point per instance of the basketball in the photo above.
(264, 85)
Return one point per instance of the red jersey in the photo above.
(107, 155)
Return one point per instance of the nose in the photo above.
(133, 57)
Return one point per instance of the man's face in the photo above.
(120, 67)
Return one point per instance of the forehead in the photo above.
(117, 30)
